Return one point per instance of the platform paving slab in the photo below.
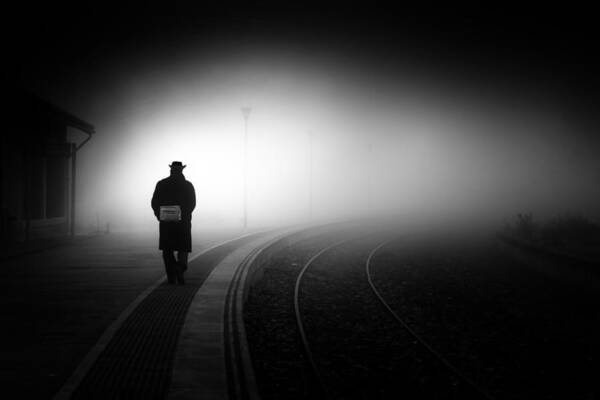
(199, 369)
(137, 361)
(57, 303)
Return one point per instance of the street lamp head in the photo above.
(246, 111)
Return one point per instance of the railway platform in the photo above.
(96, 319)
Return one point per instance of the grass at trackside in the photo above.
(571, 235)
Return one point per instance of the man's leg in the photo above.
(182, 257)
(169, 259)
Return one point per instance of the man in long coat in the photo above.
(175, 232)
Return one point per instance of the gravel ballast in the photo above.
(514, 332)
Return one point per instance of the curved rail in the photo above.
(241, 378)
(240, 371)
(241, 382)
(434, 352)
(307, 350)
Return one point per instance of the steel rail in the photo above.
(241, 377)
(422, 341)
(306, 345)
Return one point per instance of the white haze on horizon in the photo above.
(434, 153)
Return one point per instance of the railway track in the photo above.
(451, 367)
(341, 319)
(302, 331)
(308, 351)
(240, 372)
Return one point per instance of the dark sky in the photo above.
(52, 48)
(54, 42)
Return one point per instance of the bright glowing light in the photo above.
(443, 157)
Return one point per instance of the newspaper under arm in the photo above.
(170, 213)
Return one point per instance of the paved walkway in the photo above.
(57, 303)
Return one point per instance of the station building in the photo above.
(37, 169)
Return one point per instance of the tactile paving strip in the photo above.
(138, 361)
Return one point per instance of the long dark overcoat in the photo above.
(175, 190)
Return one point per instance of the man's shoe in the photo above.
(172, 278)
(179, 268)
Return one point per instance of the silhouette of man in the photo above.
(173, 201)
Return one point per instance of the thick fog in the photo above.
(386, 140)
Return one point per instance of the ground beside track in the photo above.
(523, 334)
(515, 332)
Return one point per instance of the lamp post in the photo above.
(246, 113)
(310, 174)
(369, 161)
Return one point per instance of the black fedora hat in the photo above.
(177, 164)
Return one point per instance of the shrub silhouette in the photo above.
(525, 228)
(565, 230)
(569, 229)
